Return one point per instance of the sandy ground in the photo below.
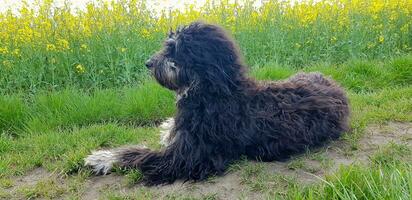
(231, 186)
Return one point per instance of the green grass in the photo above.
(388, 177)
(63, 151)
(56, 130)
(143, 105)
(47, 189)
(367, 83)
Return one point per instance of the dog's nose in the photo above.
(148, 63)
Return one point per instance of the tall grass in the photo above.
(105, 45)
(373, 88)
(144, 105)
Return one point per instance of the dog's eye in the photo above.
(169, 52)
(171, 48)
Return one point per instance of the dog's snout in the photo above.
(149, 63)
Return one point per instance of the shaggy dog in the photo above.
(222, 114)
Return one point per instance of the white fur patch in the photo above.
(101, 161)
(171, 70)
(182, 94)
(165, 132)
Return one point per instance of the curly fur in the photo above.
(222, 114)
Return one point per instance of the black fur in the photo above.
(223, 114)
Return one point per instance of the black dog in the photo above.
(223, 114)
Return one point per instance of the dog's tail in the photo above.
(156, 166)
(159, 167)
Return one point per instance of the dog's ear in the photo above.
(180, 29)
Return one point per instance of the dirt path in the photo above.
(244, 181)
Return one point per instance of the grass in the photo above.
(143, 105)
(41, 149)
(369, 84)
(56, 130)
(42, 189)
(388, 177)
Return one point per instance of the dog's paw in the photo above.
(101, 162)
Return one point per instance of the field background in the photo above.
(74, 80)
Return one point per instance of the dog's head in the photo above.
(199, 53)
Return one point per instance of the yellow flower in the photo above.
(333, 39)
(17, 53)
(7, 64)
(378, 27)
(145, 33)
(50, 47)
(80, 69)
(123, 49)
(381, 39)
(83, 46)
(4, 50)
(63, 44)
